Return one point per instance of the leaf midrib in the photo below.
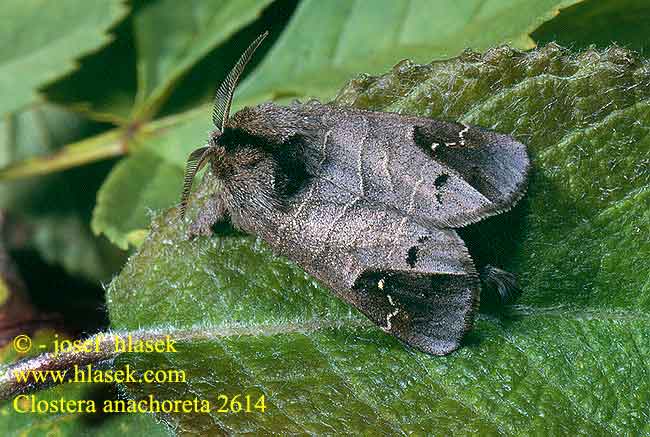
(225, 330)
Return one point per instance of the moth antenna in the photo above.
(195, 162)
(223, 98)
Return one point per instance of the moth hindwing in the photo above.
(366, 202)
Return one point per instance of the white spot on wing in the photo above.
(389, 316)
(462, 133)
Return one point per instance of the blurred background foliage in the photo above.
(101, 102)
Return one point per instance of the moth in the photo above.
(366, 202)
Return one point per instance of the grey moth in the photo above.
(366, 202)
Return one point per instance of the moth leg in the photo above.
(212, 212)
(501, 284)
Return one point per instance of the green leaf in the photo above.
(111, 99)
(164, 58)
(77, 425)
(55, 209)
(624, 22)
(153, 52)
(41, 40)
(570, 360)
(343, 42)
(191, 29)
(348, 42)
(150, 179)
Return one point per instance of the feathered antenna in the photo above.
(195, 162)
(220, 113)
(223, 99)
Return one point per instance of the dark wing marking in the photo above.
(447, 174)
(415, 282)
(493, 164)
(433, 321)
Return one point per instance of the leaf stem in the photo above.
(105, 350)
(114, 143)
(107, 145)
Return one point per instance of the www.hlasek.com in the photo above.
(89, 373)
